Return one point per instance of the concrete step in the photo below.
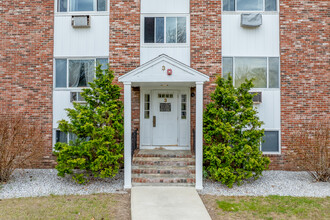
(163, 175)
(162, 159)
(163, 163)
(164, 153)
(164, 180)
(164, 184)
(163, 170)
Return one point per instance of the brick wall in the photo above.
(205, 44)
(305, 78)
(125, 45)
(124, 35)
(26, 65)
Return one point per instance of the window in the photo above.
(184, 106)
(81, 5)
(264, 70)
(147, 106)
(64, 137)
(71, 73)
(250, 5)
(270, 142)
(165, 30)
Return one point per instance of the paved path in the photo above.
(162, 203)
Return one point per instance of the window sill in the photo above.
(174, 45)
(271, 154)
(80, 89)
(248, 12)
(92, 13)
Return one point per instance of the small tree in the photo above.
(98, 125)
(232, 135)
(22, 143)
(310, 148)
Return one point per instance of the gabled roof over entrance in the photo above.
(164, 69)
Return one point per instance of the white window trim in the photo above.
(95, 12)
(263, 11)
(171, 45)
(279, 143)
(67, 88)
(267, 69)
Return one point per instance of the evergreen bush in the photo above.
(232, 135)
(98, 125)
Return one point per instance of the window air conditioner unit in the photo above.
(257, 98)
(80, 21)
(76, 97)
(251, 20)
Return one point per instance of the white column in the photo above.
(199, 135)
(127, 136)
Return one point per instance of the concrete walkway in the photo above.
(162, 203)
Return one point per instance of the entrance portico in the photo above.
(164, 109)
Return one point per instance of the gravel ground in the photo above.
(38, 182)
(282, 183)
(44, 182)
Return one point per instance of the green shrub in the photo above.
(232, 135)
(98, 125)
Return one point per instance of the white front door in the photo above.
(164, 118)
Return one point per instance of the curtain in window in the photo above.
(81, 5)
(250, 5)
(81, 72)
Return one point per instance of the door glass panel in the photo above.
(165, 107)
(147, 106)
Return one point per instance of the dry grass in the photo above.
(99, 206)
(270, 207)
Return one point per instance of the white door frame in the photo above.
(146, 125)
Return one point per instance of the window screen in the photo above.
(159, 30)
(61, 137)
(271, 142)
(270, 5)
(103, 62)
(227, 67)
(229, 5)
(60, 66)
(181, 29)
(62, 5)
(274, 72)
(101, 5)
